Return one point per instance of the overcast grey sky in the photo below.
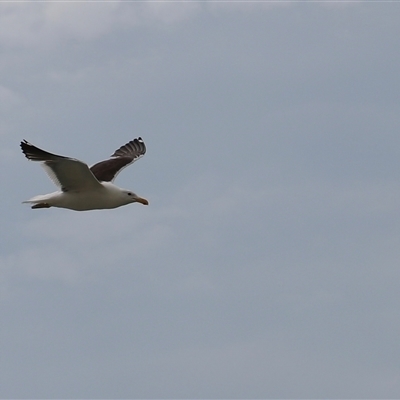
(267, 263)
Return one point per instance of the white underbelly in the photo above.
(85, 201)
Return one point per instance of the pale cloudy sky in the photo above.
(267, 263)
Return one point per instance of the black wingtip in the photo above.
(135, 146)
(33, 153)
(24, 147)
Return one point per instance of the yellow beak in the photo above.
(141, 200)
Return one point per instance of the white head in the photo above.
(120, 196)
(133, 198)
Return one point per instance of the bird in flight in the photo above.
(83, 188)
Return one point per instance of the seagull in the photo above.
(83, 188)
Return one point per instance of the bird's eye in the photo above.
(129, 193)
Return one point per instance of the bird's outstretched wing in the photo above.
(107, 170)
(67, 173)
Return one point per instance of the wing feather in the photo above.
(107, 170)
(68, 173)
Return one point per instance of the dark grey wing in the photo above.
(33, 153)
(67, 173)
(107, 170)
